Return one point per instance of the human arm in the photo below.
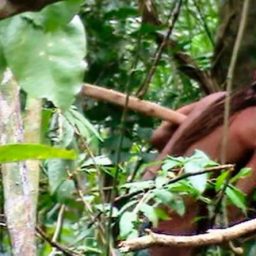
(165, 131)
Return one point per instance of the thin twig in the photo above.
(89, 209)
(230, 76)
(172, 181)
(185, 62)
(58, 227)
(220, 198)
(117, 172)
(118, 153)
(60, 247)
(59, 223)
(227, 102)
(101, 223)
(202, 18)
(172, 20)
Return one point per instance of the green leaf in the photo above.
(221, 180)
(196, 163)
(162, 214)
(65, 191)
(246, 171)
(178, 206)
(171, 162)
(237, 197)
(164, 196)
(130, 204)
(127, 223)
(21, 152)
(46, 116)
(114, 141)
(184, 187)
(83, 125)
(59, 181)
(198, 181)
(57, 174)
(200, 157)
(160, 181)
(55, 15)
(139, 185)
(46, 64)
(61, 132)
(149, 212)
(99, 160)
(173, 201)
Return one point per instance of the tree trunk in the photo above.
(230, 14)
(19, 206)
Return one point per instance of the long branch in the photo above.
(214, 236)
(142, 106)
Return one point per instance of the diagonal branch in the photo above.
(185, 62)
(152, 186)
(142, 106)
(214, 236)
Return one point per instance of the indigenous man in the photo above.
(203, 130)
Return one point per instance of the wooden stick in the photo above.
(142, 106)
(213, 236)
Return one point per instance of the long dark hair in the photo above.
(213, 117)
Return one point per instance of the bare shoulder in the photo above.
(244, 125)
(216, 95)
(248, 115)
(210, 99)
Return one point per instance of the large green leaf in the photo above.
(237, 197)
(57, 174)
(196, 163)
(198, 181)
(244, 172)
(126, 223)
(163, 195)
(20, 152)
(149, 212)
(46, 64)
(60, 183)
(78, 120)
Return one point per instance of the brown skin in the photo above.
(165, 131)
(241, 140)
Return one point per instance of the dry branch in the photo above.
(214, 236)
(11, 7)
(142, 106)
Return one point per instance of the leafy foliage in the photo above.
(46, 61)
(45, 51)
